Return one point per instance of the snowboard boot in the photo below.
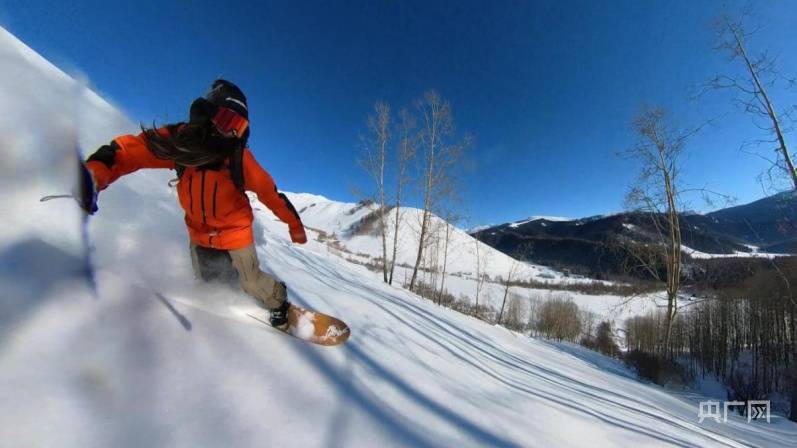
(279, 315)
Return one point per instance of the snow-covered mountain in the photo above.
(157, 359)
(352, 226)
(764, 228)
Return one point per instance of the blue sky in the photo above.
(548, 88)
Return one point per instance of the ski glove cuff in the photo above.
(297, 234)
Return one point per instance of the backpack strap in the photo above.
(237, 168)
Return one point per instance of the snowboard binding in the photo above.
(279, 316)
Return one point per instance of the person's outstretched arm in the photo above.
(258, 180)
(124, 155)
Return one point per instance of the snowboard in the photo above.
(312, 326)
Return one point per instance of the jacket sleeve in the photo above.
(256, 179)
(124, 155)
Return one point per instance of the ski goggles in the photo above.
(229, 123)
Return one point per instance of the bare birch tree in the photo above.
(374, 162)
(522, 253)
(449, 221)
(432, 257)
(482, 259)
(440, 155)
(659, 148)
(405, 154)
(759, 77)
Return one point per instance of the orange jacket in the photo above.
(217, 214)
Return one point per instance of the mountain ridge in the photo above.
(591, 246)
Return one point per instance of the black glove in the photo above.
(86, 191)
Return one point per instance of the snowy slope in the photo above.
(331, 222)
(517, 224)
(753, 253)
(156, 359)
(338, 218)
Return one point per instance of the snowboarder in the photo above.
(214, 167)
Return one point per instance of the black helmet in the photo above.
(226, 94)
(222, 94)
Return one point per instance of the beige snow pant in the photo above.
(264, 287)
